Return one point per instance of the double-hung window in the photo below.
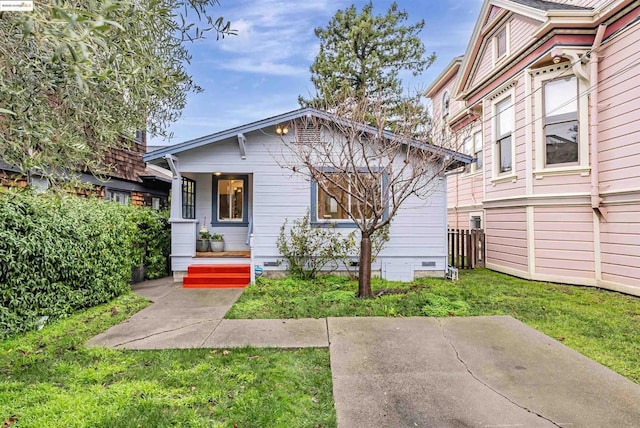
(504, 123)
(561, 108)
(560, 125)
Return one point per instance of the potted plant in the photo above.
(217, 242)
(202, 243)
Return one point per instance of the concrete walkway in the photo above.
(405, 372)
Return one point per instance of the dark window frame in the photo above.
(245, 201)
(342, 223)
(188, 189)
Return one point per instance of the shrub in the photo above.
(59, 254)
(309, 250)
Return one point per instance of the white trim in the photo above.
(497, 61)
(531, 240)
(597, 250)
(501, 95)
(540, 76)
(509, 271)
(528, 134)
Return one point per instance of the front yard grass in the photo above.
(49, 379)
(603, 325)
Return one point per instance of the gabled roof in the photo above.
(282, 118)
(450, 70)
(549, 5)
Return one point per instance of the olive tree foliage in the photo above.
(366, 171)
(76, 76)
(362, 55)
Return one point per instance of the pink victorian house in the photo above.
(547, 98)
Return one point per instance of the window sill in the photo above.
(230, 224)
(504, 179)
(584, 171)
(472, 174)
(336, 224)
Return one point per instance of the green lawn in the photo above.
(602, 325)
(49, 379)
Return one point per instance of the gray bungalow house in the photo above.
(232, 183)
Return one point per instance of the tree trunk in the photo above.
(364, 278)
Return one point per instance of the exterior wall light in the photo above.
(282, 130)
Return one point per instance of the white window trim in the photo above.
(473, 167)
(476, 214)
(496, 175)
(494, 43)
(540, 77)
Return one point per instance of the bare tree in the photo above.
(364, 173)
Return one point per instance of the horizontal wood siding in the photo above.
(506, 238)
(522, 29)
(619, 98)
(418, 233)
(620, 243)
(564, 241)
(485, 62)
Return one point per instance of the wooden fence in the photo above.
(466, 248)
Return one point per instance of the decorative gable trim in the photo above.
(502, 89)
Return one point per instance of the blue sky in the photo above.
(260, 72)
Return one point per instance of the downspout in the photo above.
(596, 200)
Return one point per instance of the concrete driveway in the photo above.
(406, 372)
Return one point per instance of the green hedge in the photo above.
(59, 254)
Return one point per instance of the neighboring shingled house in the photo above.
(131, 181)
(547, 99)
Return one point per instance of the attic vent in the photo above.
(307, 133)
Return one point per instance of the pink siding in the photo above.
(485, 64)
(495, 10)
(619, 92)
(506, 235)
(564, 241)
(573, 183)
(521, 29)
(620, 242)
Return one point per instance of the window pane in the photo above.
(501, 43)
(505, 154)
(560, 97)
(328, 207)
(562, 142)
(363, 188)
(477, 142)
(230, 200)
(504, 122)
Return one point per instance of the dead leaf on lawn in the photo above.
(225, 352)
(254, 356)
(114, 311)
(214, 351)
(10, 421)
(193, 387)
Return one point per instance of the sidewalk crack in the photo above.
(137, 339)
(326, 323)
(485, 384)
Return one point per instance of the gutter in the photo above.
(596, 200)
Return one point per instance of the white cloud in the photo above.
(261, 66)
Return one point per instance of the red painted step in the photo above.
(197, 269)
(217, 276)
